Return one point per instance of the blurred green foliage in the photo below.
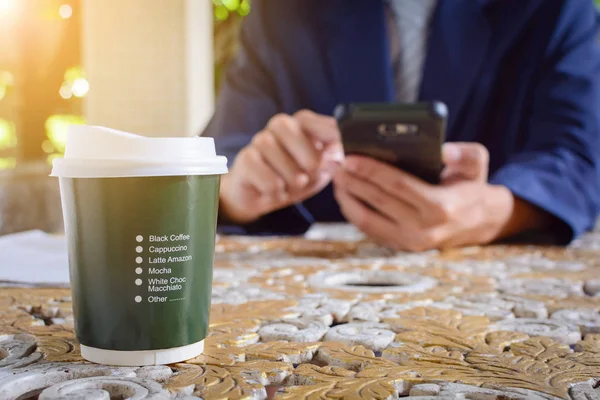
(8, 134)
(56, 130)
(228, 15)
(224, 8)
(8, 142)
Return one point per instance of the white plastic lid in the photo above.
(98, 152)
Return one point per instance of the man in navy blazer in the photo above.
(521, 80)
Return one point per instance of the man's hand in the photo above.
(292, 159)
(410, 214)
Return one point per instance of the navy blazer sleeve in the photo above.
(247, 100)
(559, 168)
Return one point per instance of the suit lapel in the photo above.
(456, 51)
(356, 46)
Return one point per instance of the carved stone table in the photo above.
(295, 318)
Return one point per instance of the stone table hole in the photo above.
(372, 281)
(371, 284)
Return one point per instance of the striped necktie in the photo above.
(408, 27)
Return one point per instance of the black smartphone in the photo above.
(407, 136)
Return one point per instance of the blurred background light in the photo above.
(8, 163)
(45, 57)
(8, 135)
(56, 131)
(65, 11)
(6, 81)
(6, 78)
(74, 84)
(80, 87)
(7, 6)
(48, 147)
(8, 141)
(65, 91)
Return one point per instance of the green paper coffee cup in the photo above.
(140, 218)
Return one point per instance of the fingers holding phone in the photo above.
(464, 161)
(293, 158)
(389, 185)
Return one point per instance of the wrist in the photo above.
(229, 211)
(229, 215)
(511, 215)
(499, 205)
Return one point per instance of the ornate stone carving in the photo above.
(294, 353)
(496, 269)
(263, 371)
(592, 287)
(373, 336)
(313, 382)
(484, 323)
(539, 263)
(589, 390)
(212, 382)
(369, 311)
(159, 373)
(242, 295)
(320, 306)
(57, 348)
(293, 330)
(494, 310)
(459, 391)
(591, 344)
(338, 308)
(554, 287)
(392, 310)
(219, 354)
(332, 249)
(587, 320)
(554, 329)
(436, 327)
(354, 358)
(311, 313)
(17, 351)
(540, 348)
(574, 302)
(103, 387)
(222, 314)
(527, 308)
(499, 341)
(483, 366)
(35, 378)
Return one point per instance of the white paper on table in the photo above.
(33, 258)
(334, 231)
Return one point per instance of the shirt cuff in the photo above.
(549, 193)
